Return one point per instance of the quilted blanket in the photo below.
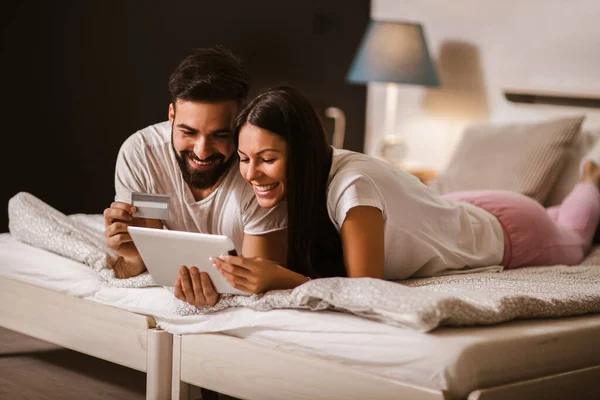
(423, 304)
(79, 237)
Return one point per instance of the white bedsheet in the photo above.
(456, 360)
(44, 269)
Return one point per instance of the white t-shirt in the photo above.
(424, 233)
(146, 163)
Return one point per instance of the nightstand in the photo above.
(425, 175)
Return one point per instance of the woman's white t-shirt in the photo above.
(425, 234)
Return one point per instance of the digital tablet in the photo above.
(165, 251)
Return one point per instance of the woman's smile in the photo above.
(264, 189)
(262, 163)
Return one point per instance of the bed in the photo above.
(288, 353)
(56, 306)
(548, 358)
(211, 360)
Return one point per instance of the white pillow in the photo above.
(524, 157)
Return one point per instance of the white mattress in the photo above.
(450, 359)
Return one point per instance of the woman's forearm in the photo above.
(289, 279)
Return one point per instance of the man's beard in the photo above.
(202, 179)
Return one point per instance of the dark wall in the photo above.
(79, 77)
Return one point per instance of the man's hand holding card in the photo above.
(146, 211)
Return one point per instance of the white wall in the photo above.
(480, 47)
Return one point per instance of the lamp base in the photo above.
(393, 149)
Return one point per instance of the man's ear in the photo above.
(171, 112)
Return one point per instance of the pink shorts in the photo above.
(531, 235)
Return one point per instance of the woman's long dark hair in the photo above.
(314, 245)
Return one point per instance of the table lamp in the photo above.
(392, 53)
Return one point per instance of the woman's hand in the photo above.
(195, 287)
(256, 275)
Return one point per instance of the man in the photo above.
(191, 157)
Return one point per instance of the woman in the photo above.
(353, 215)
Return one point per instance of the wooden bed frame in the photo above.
(243, 369)
(109, 333)
(227, 364)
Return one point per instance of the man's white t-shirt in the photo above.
(146, 163)
(425, 234)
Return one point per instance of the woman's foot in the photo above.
(590, 172)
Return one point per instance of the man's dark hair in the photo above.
(211, 75)
(314, 244)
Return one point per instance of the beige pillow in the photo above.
(521, 157)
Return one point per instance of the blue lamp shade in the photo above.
(393, 52)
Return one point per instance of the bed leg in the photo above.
(179, 390)
(158, 364)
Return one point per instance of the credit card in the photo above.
(153, 206)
